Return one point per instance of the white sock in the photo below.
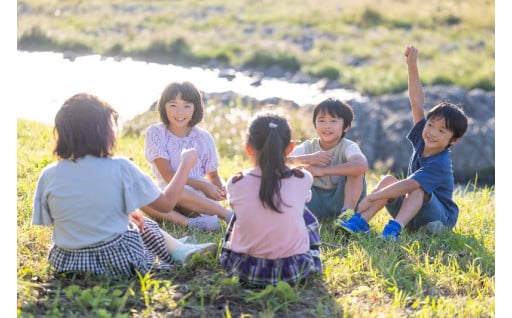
(170, 242)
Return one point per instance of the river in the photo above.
(46, 79)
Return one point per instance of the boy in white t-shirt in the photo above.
(337, 163)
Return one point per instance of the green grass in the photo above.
(357, 42)
(450, 275)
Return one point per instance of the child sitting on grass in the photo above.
(425, 198)
(91, 198)
(337, 163)
(272, 236)
(181, 108)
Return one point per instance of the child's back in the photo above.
(272, 235)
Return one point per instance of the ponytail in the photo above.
(270, 135)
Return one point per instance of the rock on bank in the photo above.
(381, 124)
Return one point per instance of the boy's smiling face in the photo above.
(329, 129)
(436, 136)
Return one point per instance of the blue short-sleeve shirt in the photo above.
(433, 173)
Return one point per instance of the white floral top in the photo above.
(161, 143)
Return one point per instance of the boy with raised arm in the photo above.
(425, 197)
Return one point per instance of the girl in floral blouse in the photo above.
(181, 108)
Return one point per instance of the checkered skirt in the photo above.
(127, 254)
(261, 272)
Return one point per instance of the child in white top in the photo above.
(88, 196)
(181, 108)
(337, 163)
(272, 235)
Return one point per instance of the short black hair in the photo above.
(335, 108)
(188, 93)
(454, 116)
(84, 126)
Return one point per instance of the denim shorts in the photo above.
(432, 214)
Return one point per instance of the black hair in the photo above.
(189, 93)
(84, 126)
(269, 135)
(335, 108)
(454, 116)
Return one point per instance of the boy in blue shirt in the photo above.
(424, 198)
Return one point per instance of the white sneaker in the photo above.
(204, 223)
(184, 253)
(188, 239)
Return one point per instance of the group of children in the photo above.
(103, 207)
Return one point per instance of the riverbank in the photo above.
(356, 45)
(379, 128)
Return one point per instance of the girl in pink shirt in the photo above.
(272, 235)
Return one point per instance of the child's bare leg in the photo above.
(193, 201)
(172, 216)
(352, 191)
(410, 206)
(369, 209)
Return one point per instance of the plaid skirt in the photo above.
(127, 254)
(261, 272)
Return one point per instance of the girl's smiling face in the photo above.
(179, 112)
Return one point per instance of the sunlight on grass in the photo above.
(364, 276)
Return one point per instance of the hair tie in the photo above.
(272, 125)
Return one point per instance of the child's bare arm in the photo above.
(394, 190)
(416, 95)
(355, 165)
(174, 189)
(319, 158)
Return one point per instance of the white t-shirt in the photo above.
(340, 153)
(161, 143)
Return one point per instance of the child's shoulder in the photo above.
(310, 144)
(157, 127)
(236, 177)
(201, 130)
(296, 172)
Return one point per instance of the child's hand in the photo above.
(315, 171)
(320, 159)
(189, 156)
(214, 192)
(411, 54)
(137, 218)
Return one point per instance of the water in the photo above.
(46, 79)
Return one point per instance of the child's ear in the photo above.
(249, 150)
(346, 128)
(290, 147)
(454, 141)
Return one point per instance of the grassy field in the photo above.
(450, 275)
(355, 42)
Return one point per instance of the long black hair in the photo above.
(269, 135)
